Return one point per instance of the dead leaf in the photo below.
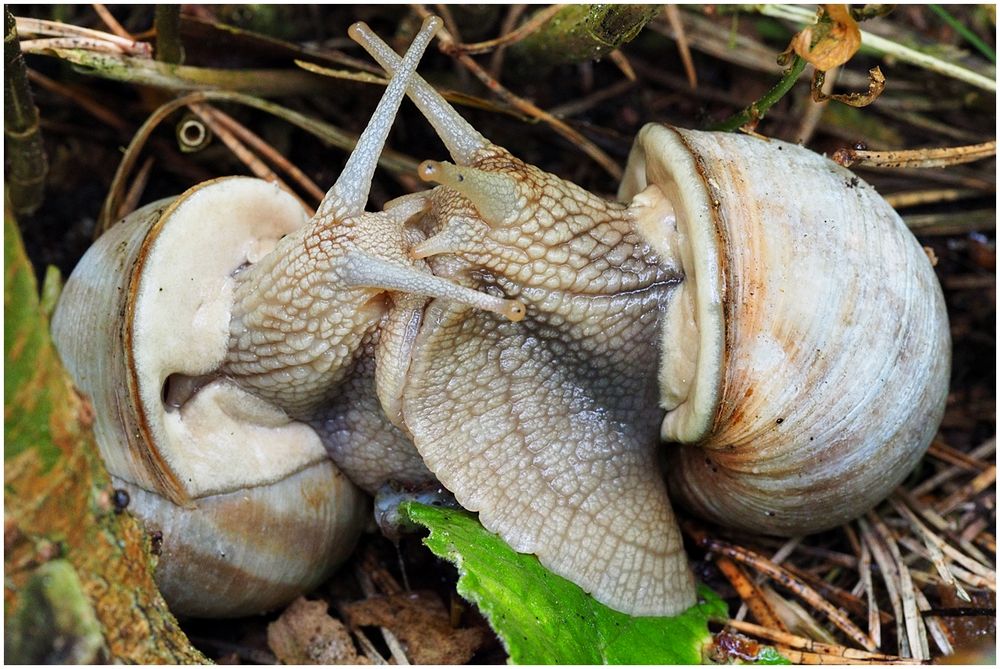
(306, 634)
(832, 41)
(421, 623)
(876, 84)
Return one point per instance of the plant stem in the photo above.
(757, 109)
(186, 78)
(970, 37)
(887, 47)
(168, 38)
(28, 164)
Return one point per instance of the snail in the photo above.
(756, 306)
(217, 453)
(529, 344)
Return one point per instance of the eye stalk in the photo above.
(494, 194)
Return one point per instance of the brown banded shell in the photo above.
(239, 491)
(816, 359)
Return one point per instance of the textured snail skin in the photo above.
(760, 294)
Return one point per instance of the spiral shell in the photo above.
(807, 353)
(239, 491)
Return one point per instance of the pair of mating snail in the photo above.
(516, 338)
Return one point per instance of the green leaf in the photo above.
(543, 618)
(768, 655)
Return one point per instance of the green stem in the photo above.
(971, 37)
(26, 152)
(757, 109)
(186, 78)
(167, 20)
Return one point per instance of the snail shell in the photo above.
(806, 354)
(241, 493)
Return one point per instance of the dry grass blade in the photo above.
(796, 618)
(365, 573)
(368, 648)
(912, 633)
(84, 100)
(124, 45)
(134, 195)
(782, 576)
(131, 155)
(980, 483)
(922, 158)
(934, 626)
(514, 13)
(346, 75)
(980, 453)
(270, 153)
(111, 22)
(931, 541)
(674, 18)
(864, 567)
(794, 642)
(943, 451)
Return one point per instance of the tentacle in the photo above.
(362, 270)
(462, 140)
(349, 195)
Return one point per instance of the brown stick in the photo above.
(955, 155)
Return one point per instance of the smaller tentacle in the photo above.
(362, 270)
(494, 194)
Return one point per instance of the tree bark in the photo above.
(78, 583)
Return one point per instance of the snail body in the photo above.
(764, 301)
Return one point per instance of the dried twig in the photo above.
(799, 643)
(749, 593)
(268, 152)
(782, 576)
(536, 21)
(245, 155)
(510, 20)
(955, 155)
(134, 195)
